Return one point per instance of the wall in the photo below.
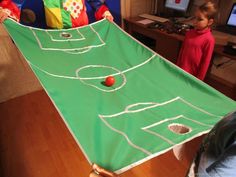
(139, 6)
(224, 10)
(132, 8)
(224, 7)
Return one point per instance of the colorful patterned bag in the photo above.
(65, 13)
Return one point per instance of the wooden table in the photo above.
(166, 44)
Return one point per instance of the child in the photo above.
(196, 52)
(9, 9)
(217, 154)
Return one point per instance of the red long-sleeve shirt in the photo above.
(196, 52)
(11, 9)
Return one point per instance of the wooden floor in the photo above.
(34, 142)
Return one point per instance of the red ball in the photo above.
(110, 80)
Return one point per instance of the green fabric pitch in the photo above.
(130, 122)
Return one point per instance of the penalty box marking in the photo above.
(152, 105)
(68, 50)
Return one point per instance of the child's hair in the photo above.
(208, 9)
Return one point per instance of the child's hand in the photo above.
(108, 16)
(3, 15)
(101, 172)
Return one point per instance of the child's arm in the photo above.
(101, 172)
(9, 9)
(101, 10)
(3, 15)
(205, 60)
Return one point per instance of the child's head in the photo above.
(205, 15)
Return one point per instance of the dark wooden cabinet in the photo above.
(165, 44)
